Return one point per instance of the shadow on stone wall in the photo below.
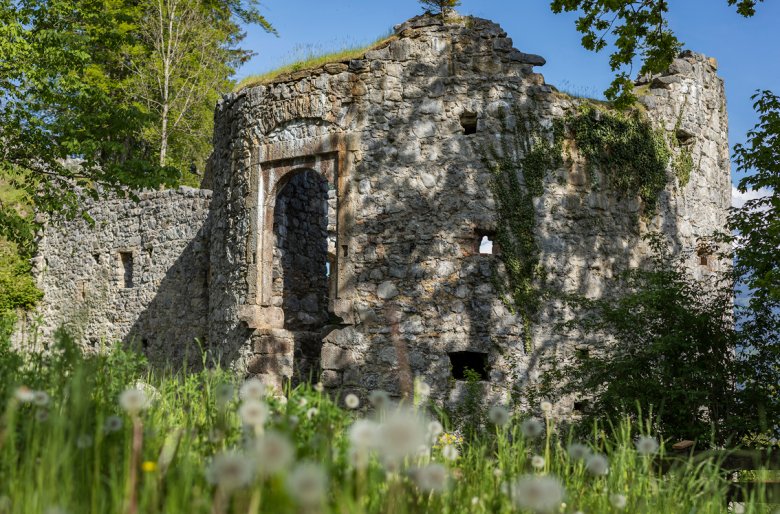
(172, 330)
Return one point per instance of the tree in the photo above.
(666, 345)
(440, 7)
(184, 59)
(638, 28)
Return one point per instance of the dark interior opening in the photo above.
(126, 262)
(580, 406)
(582, 354)
(468, 120)
(475, 361)
(300, 260)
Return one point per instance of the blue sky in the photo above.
(748, 50)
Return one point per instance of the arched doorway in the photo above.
(300, 270)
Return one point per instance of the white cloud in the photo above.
(738, 199)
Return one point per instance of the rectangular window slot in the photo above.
(126, 269)
(468, 120)
(486, 246)
(345, 250)
(474, 361)
(582, 354)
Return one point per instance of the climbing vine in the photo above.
(625, 147)
(519, 166)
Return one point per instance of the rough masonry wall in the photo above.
(414, 199)
(139, 274)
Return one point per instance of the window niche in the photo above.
(474, 361)
(125, 270)
(468, 120)
(485, 243)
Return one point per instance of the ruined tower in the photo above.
(353, 221)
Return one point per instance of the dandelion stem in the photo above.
(135, 458)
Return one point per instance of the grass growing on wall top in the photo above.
(313, 59)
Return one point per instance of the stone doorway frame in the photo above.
(273, 165)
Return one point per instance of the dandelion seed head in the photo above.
(254, 413)
(364, 434)
(84, 441)
(578, 451)
(274, 453)
(42, 415)
(312, 412)
(230, 470)
(302, 402)
(434, 430)
(401, 434)
(359, 458)
(41, 398)
(497, 472)
(24, 394)
(597, 464)
(538, 493)
(133, 401)
(618, 501)
(352, 401)
(546, 407)
(646, 445)
(423, 389)
(498, 415)
(379, 399)
(252, 389)
(450, 452)
(532, 428)
(537, 462)
(307, 484)
(475, 501)
(319, 387)
(432, 478)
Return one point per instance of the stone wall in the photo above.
(401, 143)
(138, 274)
(406, 127)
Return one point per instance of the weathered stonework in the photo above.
(356, 194)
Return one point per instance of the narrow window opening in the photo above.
(582, 354)
(704, 255)
(144, 344)
(703, 260)
(474, 361)
(126, 270)
(486, 246)
(580, 406)
(344, 250)
(96, 256)
(468, 120)
(327, 269)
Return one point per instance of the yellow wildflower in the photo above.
(149, 466)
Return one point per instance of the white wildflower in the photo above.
(578, 451)
(133, 401)
(546, 407)
(432, 478)
(274, 453)
(308, 484)
(537, 461)
(475, 501)
(538, 493)
(646, 445)
(435, 429)
(352, 401)
(84, 441)
(498, 472)
(450, 452)
(112, 424)
(254, 413)
(364, 434)
(618, 501)
(252, 389)
(24, 394)
(498, 415)
(312, 412)
(151, 392)
(41, 398)
(532, 428)
(319, 387)
(597, 464)
(423, 389)
(379, 399)
(401, 434)
(230, 470)
(302, 402)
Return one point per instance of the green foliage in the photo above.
(637, 29)
(625, 147)
(74, 451)
(17, 288)
(471, 411)
(441, 7)
(667, 345)
(519, 167)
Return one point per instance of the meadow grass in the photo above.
(73, 440)
(310, 58)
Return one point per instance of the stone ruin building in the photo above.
(343, 230)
